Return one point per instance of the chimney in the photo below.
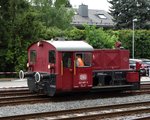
(83, 10)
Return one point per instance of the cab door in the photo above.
(67, 71)
(83, 74)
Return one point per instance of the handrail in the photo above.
(4, 73)
(74, 67)
(61, 68)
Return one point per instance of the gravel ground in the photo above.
(53, 106)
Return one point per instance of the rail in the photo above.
(108, 111)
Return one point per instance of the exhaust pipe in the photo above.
(23, 75)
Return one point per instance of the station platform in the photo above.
(145, 80)
(6, 83)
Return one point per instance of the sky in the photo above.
(92, 4)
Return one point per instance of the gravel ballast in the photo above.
(54, 106)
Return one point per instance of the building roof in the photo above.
(71, 45)
(99, 18)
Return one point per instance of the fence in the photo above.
(8, 74)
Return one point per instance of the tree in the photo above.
(53, 14)
(98, 38)
(142, 42)
(124, 11)
(59, 3)
(9, 20)
(22, 22)
(19, 27)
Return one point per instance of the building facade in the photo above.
(99, 18)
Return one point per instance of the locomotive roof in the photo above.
(71, 45)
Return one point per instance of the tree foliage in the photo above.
(25, 21)
(13, 14)
(53, 14)
(75, 34)
(59, 3)
(98, 38)
(124, 11)
(142, 42)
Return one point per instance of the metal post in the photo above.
(149, 72)
(134, 20)
(133, 42)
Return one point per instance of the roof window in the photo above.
(102, 16)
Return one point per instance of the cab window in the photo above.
(33, 56)
(83, 59)
(67, 60)
(52, 58)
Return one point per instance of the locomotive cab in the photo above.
(53, 67)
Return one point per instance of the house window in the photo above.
(33, 56)
(102, 16)
(52, 58)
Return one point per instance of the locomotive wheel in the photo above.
(32, 85)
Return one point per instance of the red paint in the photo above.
(138, 65)
(132, 77)
(110, 59)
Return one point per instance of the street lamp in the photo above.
(134, 20)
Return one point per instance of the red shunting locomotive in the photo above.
(53, 67)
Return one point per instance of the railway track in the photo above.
(34, 98)
(18, 96)
(13, 90)
(20, 92)
(100, 112)
(20, 100)
(145, 86)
